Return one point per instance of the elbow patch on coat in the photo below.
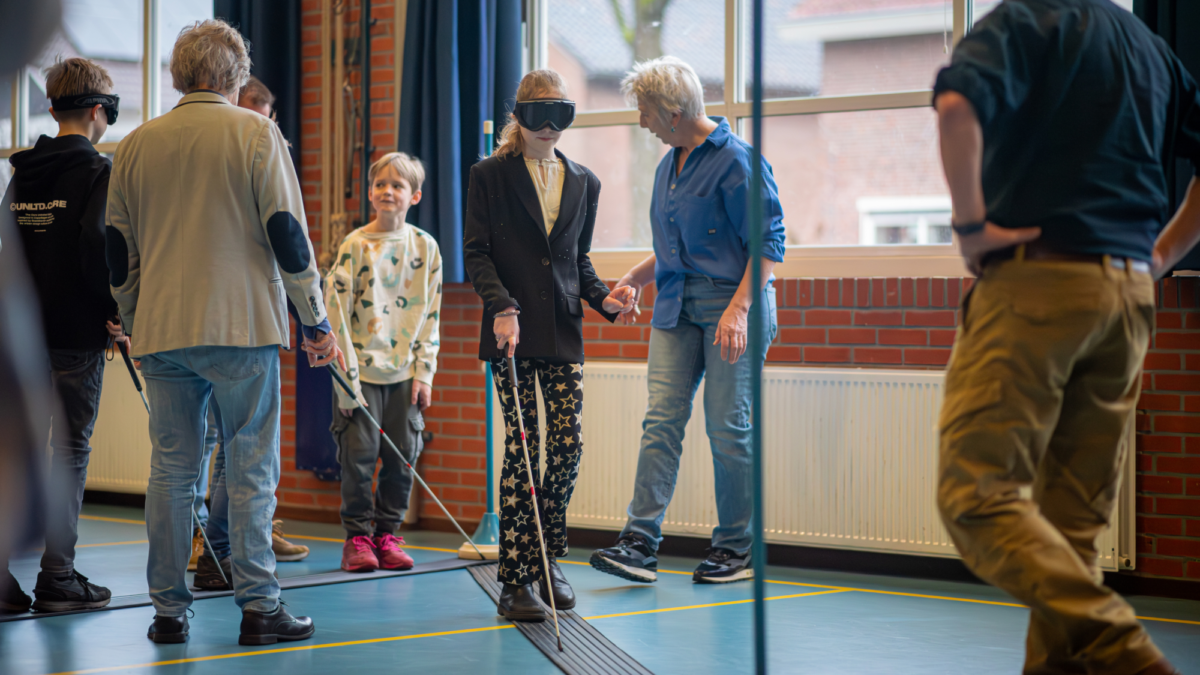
(116, 254)
(288, 242)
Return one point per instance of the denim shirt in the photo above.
(699, 218)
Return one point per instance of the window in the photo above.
(111, 33)
(848, 126)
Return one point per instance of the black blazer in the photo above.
(512, 263)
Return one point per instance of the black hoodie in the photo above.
(57, 198)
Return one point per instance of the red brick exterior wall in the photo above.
(901, 323)
(1169, 438)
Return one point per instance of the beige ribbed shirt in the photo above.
(548, 176)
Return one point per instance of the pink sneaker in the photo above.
(390, 555)
(358, 555)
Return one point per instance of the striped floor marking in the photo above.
(113, 520)
(284, 650)
(113, 543)
(769, 581)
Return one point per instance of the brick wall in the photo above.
(901, 323)
(299, 491)
(1169, 438)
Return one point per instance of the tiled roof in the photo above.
(693, 30)
(809, 9)
(112, 29)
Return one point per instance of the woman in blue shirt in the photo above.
(701, 265)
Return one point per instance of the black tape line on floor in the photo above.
(325, 579)
(585, 650)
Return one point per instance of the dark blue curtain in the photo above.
(1177, 22)
(273, 29)
(462, 64)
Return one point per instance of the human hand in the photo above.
(620, 300)
(323, 351)
(422, 395)
(508, 332)
(629, 316)
(974, 247)
(731, 333)
(346, 413)
(117, 333)
(1157, 266)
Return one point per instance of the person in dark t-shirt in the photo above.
(1058, 121)
(57, 199)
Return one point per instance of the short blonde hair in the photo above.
(668, 84)
(535, 84)
(407, 167)
(75, 77)
(210, 52)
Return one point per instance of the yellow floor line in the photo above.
(283, 650)
(113, 520)
(113, 543)
(769, 581)
(411, 637)
(715, 604)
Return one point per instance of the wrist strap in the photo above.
(968, 229)
(510, 312)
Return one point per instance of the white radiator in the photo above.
(120, 459)
(851, 461)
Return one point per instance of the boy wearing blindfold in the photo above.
(57, 198)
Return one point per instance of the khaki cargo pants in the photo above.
(1043, 380)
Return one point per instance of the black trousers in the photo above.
(360, 447)
(562, 393)
(77, 376)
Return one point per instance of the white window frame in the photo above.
(151, 86)
(871, 208)
(800, 261)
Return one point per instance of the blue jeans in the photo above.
(679, 357)
(78, 375)
(217, 527)
(244, 383)
(210, 443)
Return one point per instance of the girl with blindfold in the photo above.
(530, 216)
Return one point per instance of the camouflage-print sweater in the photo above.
(384, 295)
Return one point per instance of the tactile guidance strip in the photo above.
(585, 650)
(320, 579)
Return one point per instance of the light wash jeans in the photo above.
(217, 527)
(244, 383)
(210, 443)
(679, 357)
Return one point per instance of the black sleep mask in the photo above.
(111, 103)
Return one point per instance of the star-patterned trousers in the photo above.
(562, 393)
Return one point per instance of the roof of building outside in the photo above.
(693, 30)
(808, 9)
(112, 29)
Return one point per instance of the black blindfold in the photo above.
(111, 104)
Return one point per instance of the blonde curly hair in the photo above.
(210, 53)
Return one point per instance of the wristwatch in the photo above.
(968, 229)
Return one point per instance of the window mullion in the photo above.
(733, 52)
(20, 108)
(151, 68)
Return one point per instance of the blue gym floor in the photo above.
(820, 622)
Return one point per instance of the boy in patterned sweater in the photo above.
(384, 295)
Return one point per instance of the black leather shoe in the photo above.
(564, 595)
(519, 603)
(267, 629)
(12, 598)
(68, 593)
(208, 578)
(168, 629)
